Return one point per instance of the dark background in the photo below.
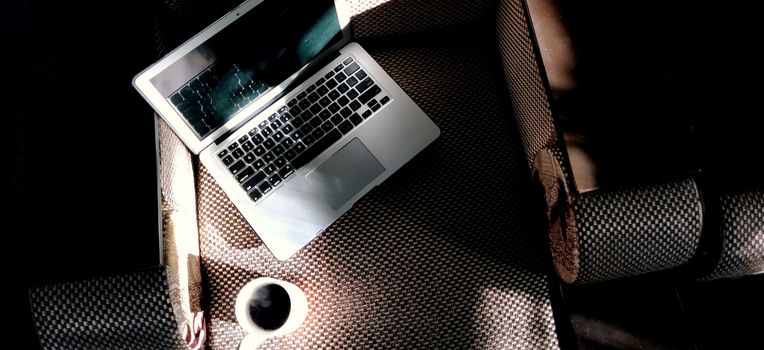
(82, 167)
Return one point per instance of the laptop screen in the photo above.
(255, 53)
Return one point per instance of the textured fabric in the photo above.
(441, 255)
(637, 230)
(181, 237)
(742, 231)
(387, 18)
(524, 78)
(131, 311)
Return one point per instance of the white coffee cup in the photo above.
(266, 307)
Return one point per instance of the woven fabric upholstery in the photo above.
(439, 256)
(131, 311)
(386, 18)
(742, 231)
(637, 230)
(524, 79)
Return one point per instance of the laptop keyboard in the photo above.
(310, 123)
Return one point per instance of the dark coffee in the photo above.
(270, 306)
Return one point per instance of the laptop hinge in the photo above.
(311, 69)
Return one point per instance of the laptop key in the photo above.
(349, 70)
(329, 74)
(280, 161)
(347, 60)
(257, 139)
(352, 94)
(287, 143)
(343, 101)
(259, 151)
(337, 119)
(305, 130)
(275, 180)
(331, 84)
(223, 153)
(355, 119)
(288, 128)
(233, 146)
(292, 102)
(340, 77)
(258, 164)
(297, 122)
(343, 88)
(304, 104)
(384, 100)
(346, 112)
(351, 81)
(268, 144)
(299, 147)
(313, 97)
(248, 146)
(276, 124)
(308, 140)
(345, 127)
(334, 94)
(253, 181)
(176, 99)
(324, 101)
(236, 167)
(278, 136)
(269, 157)
(315, 108)
(269, 169)
(327, 126)
(318, 133)
(325, 114)
(366, 113)
(237, 153)
(228, 160)
(368, 95)
(244, 174)
(267, 131)
(286, 171)
(290, 154)
(255, 195)
(278, 150)
(301, 95)
(355, 105)
(312, 152)
(265, 187)
(322, 90)
(315, 122)
(360, 75)
(364, 84)
(334, 107)
(250, 157)
(338, 68)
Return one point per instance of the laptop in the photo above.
(293, 120)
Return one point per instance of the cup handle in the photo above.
(251, 342)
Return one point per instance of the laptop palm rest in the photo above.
(345, 173)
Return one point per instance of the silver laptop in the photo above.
(293, 120)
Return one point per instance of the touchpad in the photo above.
(345, 173)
